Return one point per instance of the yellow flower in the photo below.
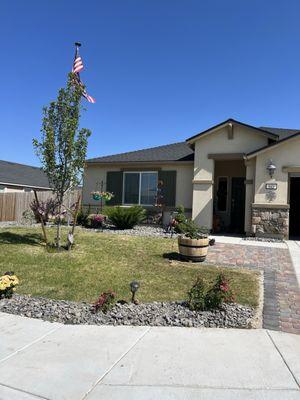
(5, 278)
(14, 280)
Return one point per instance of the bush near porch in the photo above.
(102, 261)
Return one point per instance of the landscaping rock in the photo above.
(139, 230)
(149, 314)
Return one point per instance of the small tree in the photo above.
(63, 146)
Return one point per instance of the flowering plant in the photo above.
(96, 220)
(105, 301)
(106, 196)
(203, 297)
(8, 283)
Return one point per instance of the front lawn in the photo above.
(101, 261)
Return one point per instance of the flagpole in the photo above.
(77, 45)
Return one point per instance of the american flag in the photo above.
(77, 67)
(78, 64)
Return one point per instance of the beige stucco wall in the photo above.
(286, 154)
(96, 173)
(244, 140)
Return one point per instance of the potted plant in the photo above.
(193, 242)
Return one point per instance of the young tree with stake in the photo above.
(62, 148)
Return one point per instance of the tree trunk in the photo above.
(41, 219)
(71, 233)
(58, 230)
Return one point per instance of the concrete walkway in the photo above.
(40, 360)
(294, 247)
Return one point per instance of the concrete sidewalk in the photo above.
(40, 360)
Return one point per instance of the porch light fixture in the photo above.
(271, 168)
(134, 286)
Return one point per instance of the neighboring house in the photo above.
(21, 178)
(232, 177)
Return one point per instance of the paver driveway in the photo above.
(281, 309)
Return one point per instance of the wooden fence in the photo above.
(12, 205)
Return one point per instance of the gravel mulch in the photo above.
(139, 230)
(151, 314)
(263, 239)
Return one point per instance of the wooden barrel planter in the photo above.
(193, 249)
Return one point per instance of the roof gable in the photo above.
(272, 146)
(261, 131)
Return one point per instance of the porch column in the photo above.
(203, 190)
(249, 198)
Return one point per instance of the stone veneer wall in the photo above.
(270, 222)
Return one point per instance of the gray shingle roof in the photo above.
(20, 174)
(170, 152)
(281, 132)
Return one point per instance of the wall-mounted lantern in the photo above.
(271, 168)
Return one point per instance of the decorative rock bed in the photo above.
(139, 230)
(151, 314)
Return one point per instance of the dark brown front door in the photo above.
(295, 207)
(237, 215)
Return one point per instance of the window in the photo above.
(140, 188)
(222, 194)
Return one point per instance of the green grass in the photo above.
(101, 261)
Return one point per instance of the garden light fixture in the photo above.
(134, 286)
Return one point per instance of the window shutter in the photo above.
(114, 184)
(169, 187)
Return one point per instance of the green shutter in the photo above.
(169, 187)
(114, 184)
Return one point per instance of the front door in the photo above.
(295, 207)
(237, 215)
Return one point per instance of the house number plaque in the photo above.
(271, 186)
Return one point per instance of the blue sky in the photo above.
(160, 70)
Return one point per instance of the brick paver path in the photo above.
(281, 309)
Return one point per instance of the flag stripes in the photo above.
(77, 67)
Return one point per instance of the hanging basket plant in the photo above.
(106, 196)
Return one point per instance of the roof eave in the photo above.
(140, 162)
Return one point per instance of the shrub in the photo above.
(191, 230)
(197, 294)
(105, 301)
(202, 297)
(82, 218)
(125, 217)
(8, 283)
(28, 217)
(44, 209)
(219, 293)
(95, 221)
(179, 218)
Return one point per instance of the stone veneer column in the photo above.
(270, 220)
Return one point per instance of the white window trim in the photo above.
(227, 196)
(140, 186)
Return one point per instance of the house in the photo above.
(232, 177)
(16, 177)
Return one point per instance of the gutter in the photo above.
(21, 184)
